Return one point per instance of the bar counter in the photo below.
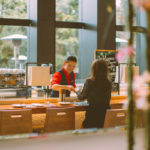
(116, 102)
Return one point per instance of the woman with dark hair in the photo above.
(97, 91)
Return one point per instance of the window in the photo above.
(67, 10)
(121, 12)
(13, 9)
(66, 44)
(13, 39)
(122, 41)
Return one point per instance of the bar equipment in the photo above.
(37, 74)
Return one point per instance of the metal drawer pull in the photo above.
(120, 115)
(61, 113)
(16, 116)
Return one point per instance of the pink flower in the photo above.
(137, 85)
(141, 90)
(142, 4)
(124, 52)
(141, 103)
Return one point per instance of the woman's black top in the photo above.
(98, 94)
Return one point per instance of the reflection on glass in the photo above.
(13, 9)
(66, 45)
(67, 10)
(13, 47)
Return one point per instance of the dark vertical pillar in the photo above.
(46, 31)
(42, 32)
(106, 23)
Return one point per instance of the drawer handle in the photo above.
(61, 113)
(16, 116)
(120, 115)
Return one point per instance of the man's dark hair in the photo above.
(71, 58)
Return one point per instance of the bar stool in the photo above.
(15, 121)
(115, 117)
(59, 119)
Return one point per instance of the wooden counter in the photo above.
(116, 102)
(39, 113)
(37, 110)
(52, 100)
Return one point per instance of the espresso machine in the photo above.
(12, 81)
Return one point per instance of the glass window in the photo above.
(66, 45)
(13, 46)
(120, 15)
(13, 9)
(67, 10)
(122, 41)
(121, 12)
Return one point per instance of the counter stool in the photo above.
(59, 119)
(15, 121)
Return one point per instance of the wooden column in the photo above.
(42, 32)
(106, 32)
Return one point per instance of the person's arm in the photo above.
(108, 96)
(58, 87)
(84, 94)
(74, 84)
(55, 85)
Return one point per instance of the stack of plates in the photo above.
(18, 105)
(38, 105)
(84, 103)
(65, 103)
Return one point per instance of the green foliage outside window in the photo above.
(11, 9)
(66, 39)
(67, 10)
